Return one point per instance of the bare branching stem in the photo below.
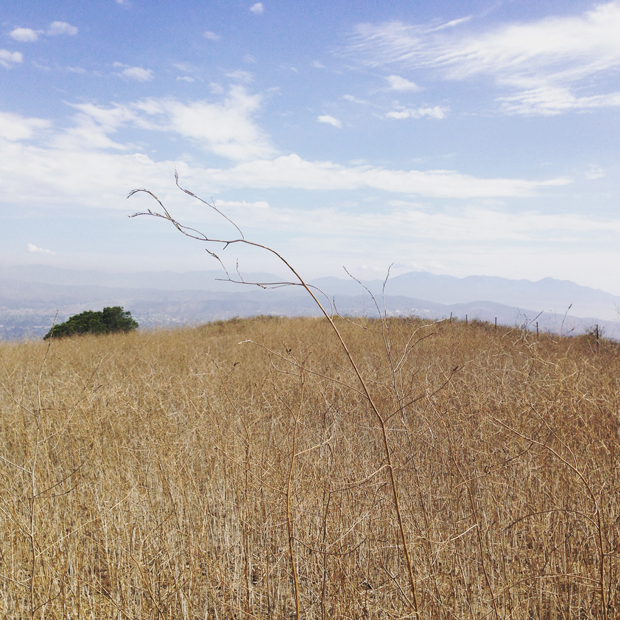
(193, 233)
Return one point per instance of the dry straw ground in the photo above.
(181, 474)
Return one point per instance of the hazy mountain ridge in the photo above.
(28, 308)
(548, 294)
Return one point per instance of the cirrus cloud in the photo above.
(543, 62)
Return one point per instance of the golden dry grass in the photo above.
(171, 474)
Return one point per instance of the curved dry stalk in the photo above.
(193, 233)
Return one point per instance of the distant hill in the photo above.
(548, 294)
(31, 298)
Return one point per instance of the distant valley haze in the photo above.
(31, 295)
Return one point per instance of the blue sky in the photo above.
(453, 137)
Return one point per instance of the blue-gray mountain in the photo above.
(30, 296)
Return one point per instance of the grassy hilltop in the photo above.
(192, 474)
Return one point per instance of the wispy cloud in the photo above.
(548, 100)
(139, 74)
(240, 75)
(10, 59)
(294, 172)
(85, 166)
(354, 99)
(397, 82)
(594, 172)
(226, 128)
(57, 28)
(212, 36)
(241, 204)
(434, 112)
(36, 250)
(542, 61)
(257, 8)
(15, 127)
(329, 120)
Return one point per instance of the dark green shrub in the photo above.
(107, 321)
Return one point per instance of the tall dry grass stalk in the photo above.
(177, 473)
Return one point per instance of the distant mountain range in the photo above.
(30, 296)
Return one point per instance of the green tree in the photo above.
(107, 321)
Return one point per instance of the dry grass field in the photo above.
(194, 474)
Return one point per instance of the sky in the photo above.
(460, 138)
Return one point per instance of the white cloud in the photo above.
(550, 101)
(400, 83)
(353, 99)
(33, 248)
(92, 128)
(57, 28)
(434, 112)
(257, 8)
(226, 128)
(241, 204)
(135, 73)
(292, 171)
(329, 120)
(240, 76)
(185, 78)
(212, 36)
(15, 127)
(10, 59)
(542, 61)
(444, 225)
(79, 169)
(453, 23)
(318, 65)
(24, 35)
(594, 172)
